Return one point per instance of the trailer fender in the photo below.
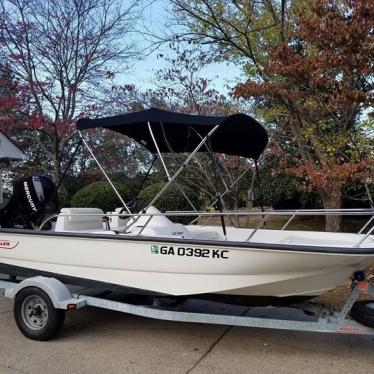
(59, 294)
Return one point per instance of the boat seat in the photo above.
(204, 233)
(78, 223)
(207, 235)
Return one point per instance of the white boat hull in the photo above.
(180, 268)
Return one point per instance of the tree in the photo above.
(182, 87)
(312, 62)
(12, 100)
(60, 52)
(322, 79)
(240, 31)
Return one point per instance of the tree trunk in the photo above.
(370, 198)
(56, 170)
(332, 199)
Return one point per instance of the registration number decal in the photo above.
(7, 244)
(189, 252)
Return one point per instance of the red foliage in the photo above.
(335, 176)
(12, 99)
(321, 77)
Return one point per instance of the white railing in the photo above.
(369, 225)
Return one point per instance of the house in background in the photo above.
(9, 152)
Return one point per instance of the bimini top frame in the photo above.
(162, 131)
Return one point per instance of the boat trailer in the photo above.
(41, 302)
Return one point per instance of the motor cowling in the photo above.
(34, 197)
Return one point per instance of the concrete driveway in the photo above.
(98, 341)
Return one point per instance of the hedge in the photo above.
(172, 199)
(101, 195)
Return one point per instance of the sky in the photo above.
(141, 72)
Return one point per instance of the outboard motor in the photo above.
(33, 198)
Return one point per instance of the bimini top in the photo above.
(238, 134)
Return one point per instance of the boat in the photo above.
(143, 251)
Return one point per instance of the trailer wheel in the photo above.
(35, 315)
(363, 312)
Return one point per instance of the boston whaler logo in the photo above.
(155, 249)
(189, 252)
(6, 244)
(28, 196)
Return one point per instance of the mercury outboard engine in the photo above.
(33, 199)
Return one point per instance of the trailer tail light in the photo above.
(363, 287)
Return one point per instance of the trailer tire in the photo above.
(35, 315)
(363, 312)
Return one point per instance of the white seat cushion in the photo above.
(92, 221)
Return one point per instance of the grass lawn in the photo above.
(310, 223)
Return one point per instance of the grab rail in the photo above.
(265, 215)
(366, 225)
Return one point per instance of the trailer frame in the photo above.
(317, 317)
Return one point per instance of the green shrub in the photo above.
(101, 195)
(172, 199)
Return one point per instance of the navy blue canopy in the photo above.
(238, 134)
